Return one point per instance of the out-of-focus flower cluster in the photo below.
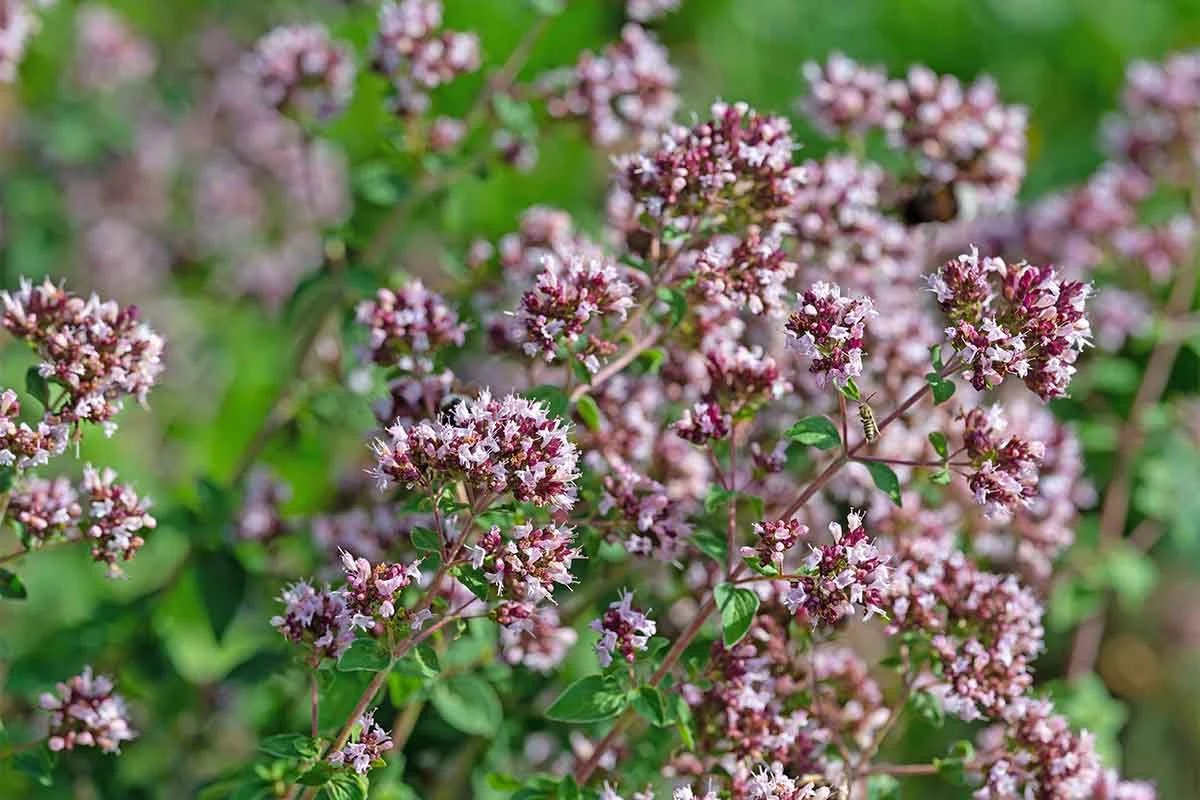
(417, 57)
(85, 712)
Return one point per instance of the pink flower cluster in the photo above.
(407, 324)
(660, 521)
(703, 422)
(1005, 473)
(565, 302)
(300, 68)
(365, 748)
(534, 637)
(737, 166)
(48, 510)
(845, 97)
(1015, 319)
(829, 328)
(623, 629)
(1040, 757)
(320, 621)
(959, 134)
(86, 712)
(844, 575)
(626, 94)
(22, 446)
(527, 563)
(986, 629)
(646, 10)
(1156, 129)
(748, 273)
(417, 57)
(775, 539)
(741, 377)
(98, 352)
(839, 223)
(371, 591)
(115, 518)
(495, 446)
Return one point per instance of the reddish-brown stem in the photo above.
(314, 698)
(584, 770)
(616, 365)
(731, 532)
(4, 559)
(900, 462)
(1114, 510)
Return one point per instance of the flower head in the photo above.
(86, 712)
(416, 56)
(829, 328)
(508, 445)
(528, 563)
(623, 630)
(366, 747)
(533, 637)
(299, 67)
(844, 575)
(48, 510)
(371, 590)
(1005, 469)
(98, 352)
(22, 446)
(749, 272)
(407, 323)
(775, 539)
(845, 97)
(318, 620)
(115, 518)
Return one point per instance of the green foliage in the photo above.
(885, 479)
(818, 432)
(589, 699)
(469, 703)
(737, 605)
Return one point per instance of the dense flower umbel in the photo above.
(986, 628)
(47, 510)
(772, 783)
(371, 590)
(829, 329)
(495, 446)
(115, 518)
(1014, 319)
(1005, 470)
(411, 321)
(839, 224)
(845, 97)
(366, 746)
(775, 539)
(1157, 129)
(623, 630)
(534, 637)
(318, 620)
(1040, 757)
(22, 446)
(737, 165)
(562, 304)
(751, 272)
(741, 376)
(97, 351)
(86, 712)
(659, 520)
(260, 519)
(844, 575)
(301, 69)
(1109, 786)
(411, 51)
(529, 562)
(703, 422)
(965, 136)
(625, 94)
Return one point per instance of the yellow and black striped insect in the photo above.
(866, 415)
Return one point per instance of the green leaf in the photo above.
(938, 440)
(943, 388)
(37, 386)
(473, 579)
(935, 357)
(711, 543)
(365, 654)
(516, 115)
(738, 606)
(589, 699)
(37, 764)
(290, 745)
(676, 302)
(885, 479)
(952, 768)
(851, 390)
(11, 586)
(426, 540)
(941, 477)
(717, 497)
(928, 707)
(222, 581)
(650, 362)
(469, 703)
(346, 785)
(816, 432)
(883, 787)
(651, 704)
(569, 789)
(555, 398)
(1131, 574)
(589, 412)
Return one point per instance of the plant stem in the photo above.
(1114, 511)
(616, 365)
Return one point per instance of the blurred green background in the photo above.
(1063, 58)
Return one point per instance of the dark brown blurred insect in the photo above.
(866, 415)
(930, 201)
